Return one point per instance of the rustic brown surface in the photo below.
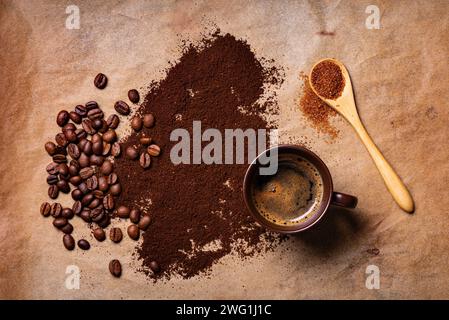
(400, 76)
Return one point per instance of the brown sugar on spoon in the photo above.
(328, 80)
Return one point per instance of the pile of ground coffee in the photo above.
(328, 80)
(197, 211)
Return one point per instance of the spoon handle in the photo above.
(394, 184)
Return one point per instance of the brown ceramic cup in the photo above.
(329, 196)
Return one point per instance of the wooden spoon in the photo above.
(345, 105)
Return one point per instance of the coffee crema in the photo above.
(291, 196)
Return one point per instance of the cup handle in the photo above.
(343, 200)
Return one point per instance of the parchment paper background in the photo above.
(400, 74)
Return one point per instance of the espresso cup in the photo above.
(297, 195)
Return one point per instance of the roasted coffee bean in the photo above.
(106, 168)
(87, 172)
(154, 266)
(136, 123)
(52, 168)
(95, 114)
(63, 186)
(96, 214)
(50, 147)
(81, 134)
(97, 148)
(67, 213)
(85, 215)
(77, 194)
(122, 107)
(87, 126)
(148, 120)
(63, 176)
(134, 215)
(104, 126)
(61, 139)
(67, 229)
(63, 170)
(104, 222)
(97, 124)
(145, 160)
(53, 191)
(95, 203)
(68, 127)
(154, 150)
(83, 244)
(45, 209)
(103, 184)
(60, 222)
(133, 95)
(113, 121)
(73, 151)
(96, 160)
(144, 140)
(106, 149)
(84, 160)
(81, 110)
(100, 81)
(69, 242)
(116, 235)
(60, 150)
(70, 135)
(98, 194)
(115, 149)
(123, 212)
(112, 178)
(92, 183)
(132, 153)
(115, 189)
(73, 171)
(75, 117)
(144, 222)
(96, 137)
(83, 188)
(99, 234)
(87, 148)
(56, 210)
(87, 199)
(91, 105)
(75, 164)
(115, 268)
(82, 143)
(108, 202)
(52, 179)
(59, 158)
(62, 118)
(77, 208)
(110, 136)
(133, 232)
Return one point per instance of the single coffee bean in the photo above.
(100, 81)
(98, 194)
(97, 124)
(77, 194)
(108, 202)
(95, 114)
(71, 136)
(67, 213)
(81, 110)
(99, 234)
(106, 149)
(104, 126)
(133, 232)
(95, 203)
(91, 105)
(145, 160)
(85, 215)
(83, 188)
(97, 148)
(69, 242)
(136, 123)
(63, 186)
(110, 136)
(115, 268)
(82, 143)
(112, 178)
(60, 222)
(103, 184)
(144, 140)
(115, 189)
(75, 117)
(134, 215)
(92, 183)
(45, 209)
(133, 95)
(106, 168)
(96, 214)
(67, 229)
(123, 212)
(63, 170)
(73, 151)
(61, 139)
(84, 160)
(56, 210)
(144, 222)
(148, 120)
(73, 171)
(77, 207)
(154, 266)
(96, 160)
(87, 199)
(97, 138)
(62, 118)
(115, 149)
(75, 164)
(87, 126)
(104, 222)
(154, 150)
(113, 121)
(68, 127)
(116, 235)
(50, 147)
(52, 179)
(53, 191)
(81, 134)
(59, 158)
(122, 108)
(87, 148)
(87, 172)
(84, 244)
(75, 180)
(52, 168)
(132, 153)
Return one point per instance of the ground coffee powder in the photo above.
(328, 80)
(197, 211)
